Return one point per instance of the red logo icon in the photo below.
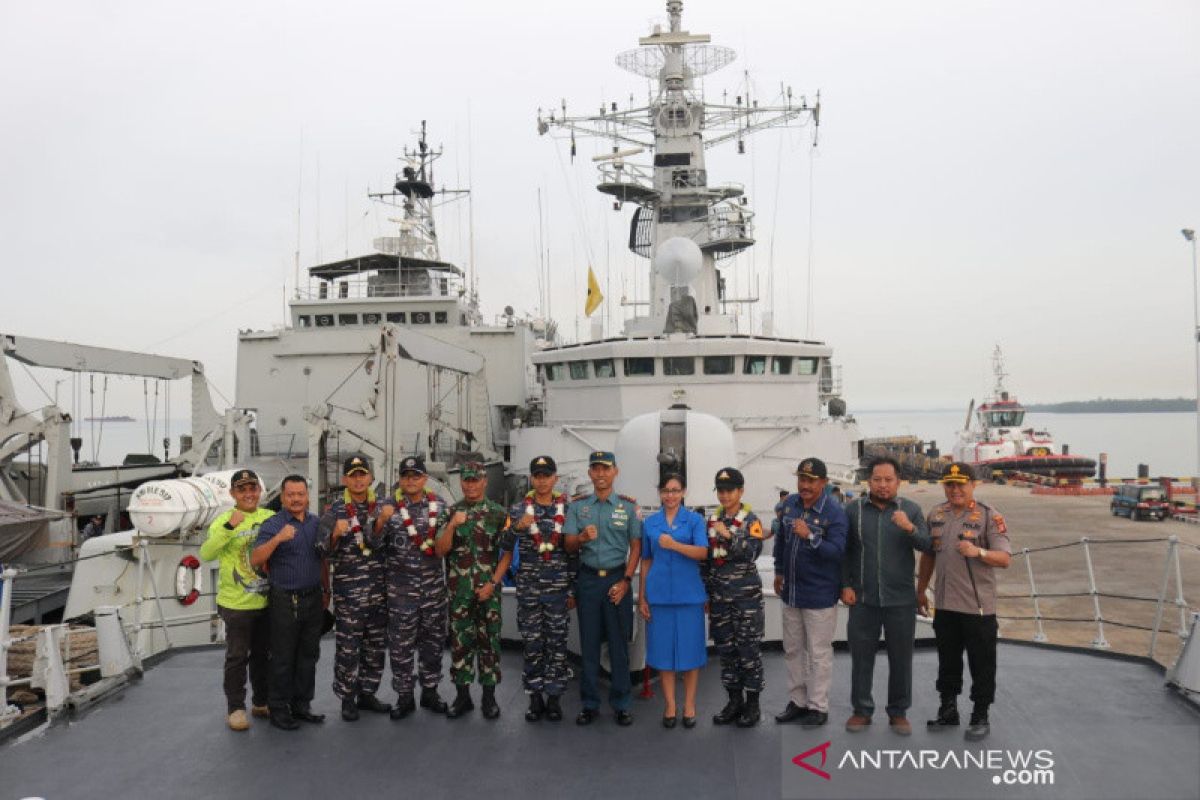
(823, 749)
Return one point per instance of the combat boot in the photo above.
(432, 701)
(979, 726)
(349, 710)
(553, 709)
(729, 714)
(462, 703)
(404, 706)
(491, 709)
(750, 714)
(537, 707)
(369, 702)
(947, 716)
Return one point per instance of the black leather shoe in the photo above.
(462, 703)
(947, 716)
(750, 714)
(669, 722)
(432, 701)
(978, 728)
(404, 706)
(307, 715)
(369, 702)
(587, 716)
(284, 721)
(624, 719)
(814, 719)
(689, 722)
(553, 709)
(349, 710)
(489, 706)
(793, 713)
(537, 707)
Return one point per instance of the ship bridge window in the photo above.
(579, 370)
(754, 365)
(396, 316)
(324, 320)
(1005, 419)
(371, 319)
(603, 368)
(781, 365)
(682, 213)
(440, 317)
(679, 365)
(718, 365)
(806, 366)
(639, 367)
(347, 319)
(419, 318)
(305, 320)
(555, 372)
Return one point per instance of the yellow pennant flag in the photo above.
(594, 296)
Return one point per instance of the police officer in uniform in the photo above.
(735, 599)
(416, 588)
(471, 539)
(347, 536)
(970, 542)
(604, 528)
(545, 587)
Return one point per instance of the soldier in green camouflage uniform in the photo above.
(471, 539)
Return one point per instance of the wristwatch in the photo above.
(982, 553)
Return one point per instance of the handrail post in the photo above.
(1162, 593)
(6, 584)
(1179, 601)
(1040, 635)
(1099, 642)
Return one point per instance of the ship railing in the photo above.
(1164, 614)
(360, 289)
(730, 221)
(622, 173)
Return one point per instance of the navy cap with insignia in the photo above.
(602, 457)
(355, 464)
(729, 478)
(543, 465)
(958, 472)
(413, 464)
(812, 468)
(243, 477)
(472, 470)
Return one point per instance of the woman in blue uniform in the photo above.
(672, 597)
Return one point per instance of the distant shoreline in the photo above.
(1103, 406)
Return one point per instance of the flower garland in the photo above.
(355, 525)
(425, 545)
(715, 545)
(546, 548)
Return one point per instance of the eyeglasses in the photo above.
(670, 491)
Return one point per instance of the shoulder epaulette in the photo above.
(628, 499)
(582, 496)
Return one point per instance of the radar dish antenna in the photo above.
(698, 59)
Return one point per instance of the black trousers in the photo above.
(899, 624)
(295, 647)
(976, 634)
(247, 644)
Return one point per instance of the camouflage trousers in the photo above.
(736, 627)
(416, 603)
(542, 620)
(475, 637)
(360, 632)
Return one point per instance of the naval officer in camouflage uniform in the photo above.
(604, 528)
(471, 539)
(416, 588)
(347, 538)
(545, 587)
(735, 599)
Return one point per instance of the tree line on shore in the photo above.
(1103, 405)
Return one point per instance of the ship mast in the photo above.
(999, 392)
(681, 223)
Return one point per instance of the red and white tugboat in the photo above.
(997, 442)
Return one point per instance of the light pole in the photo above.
(1190, 235)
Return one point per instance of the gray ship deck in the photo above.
(1113, 730)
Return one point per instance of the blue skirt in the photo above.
(675, 637)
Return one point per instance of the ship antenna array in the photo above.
(998, 371)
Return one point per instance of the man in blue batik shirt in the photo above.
(808, 573)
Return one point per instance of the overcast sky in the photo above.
(988, 172)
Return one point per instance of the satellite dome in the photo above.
(678, 261)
